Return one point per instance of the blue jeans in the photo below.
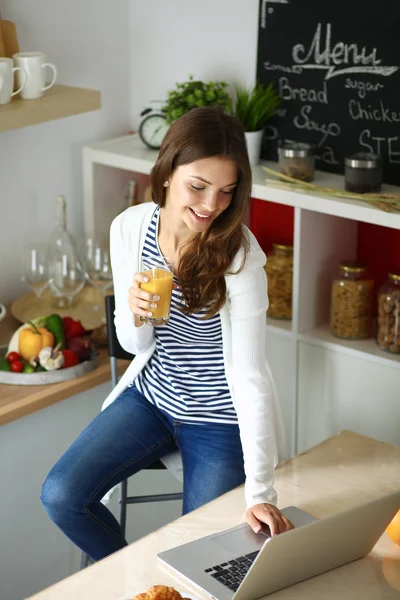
(126, 437)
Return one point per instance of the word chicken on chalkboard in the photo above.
(334, 65)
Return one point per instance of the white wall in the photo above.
(209, 39)
(133, 51)
(89, 41)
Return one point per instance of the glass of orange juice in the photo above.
(160, 272)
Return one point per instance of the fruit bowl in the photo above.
(45, 377)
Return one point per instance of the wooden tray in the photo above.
(88, 308)
(44, 377)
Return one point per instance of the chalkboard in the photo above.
(336, 66)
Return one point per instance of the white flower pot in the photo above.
(253, 140)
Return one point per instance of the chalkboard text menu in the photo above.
(336, 66)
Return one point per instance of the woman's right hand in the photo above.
(141, 302)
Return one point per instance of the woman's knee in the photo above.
(57, 495)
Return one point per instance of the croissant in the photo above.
(160, 592)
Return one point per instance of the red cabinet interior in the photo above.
(271, 223)
(377, 246)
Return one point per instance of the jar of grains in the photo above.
(279, 269)
(351, 301)
(297, 160)
(388, 326)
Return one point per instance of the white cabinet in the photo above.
(325, 384)
(340, 391)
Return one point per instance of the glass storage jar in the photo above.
(279, 269)
(297, 160)
(351, 301)
(363, 173)
(388, 325)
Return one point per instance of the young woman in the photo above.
(199, 383)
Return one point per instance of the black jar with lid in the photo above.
(363, 173)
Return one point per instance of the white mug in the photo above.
(2, 311)
(34, 64)
(7, 71)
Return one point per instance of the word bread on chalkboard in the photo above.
(336, 67)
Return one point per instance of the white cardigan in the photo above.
(243, 334)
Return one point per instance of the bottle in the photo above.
(130, 195)
(61, 247)
(351, 301)
(388, 327)
(279, 270)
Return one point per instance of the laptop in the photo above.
(240, 564)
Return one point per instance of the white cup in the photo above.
(35, 65)
(7, 71)
(2, 311)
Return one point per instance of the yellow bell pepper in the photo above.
(32, 339)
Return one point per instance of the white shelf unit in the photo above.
(325, 232)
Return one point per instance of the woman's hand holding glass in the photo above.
(141, 303)
(153, 297)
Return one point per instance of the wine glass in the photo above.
(97, 266)
(35, 268)
(67, 277)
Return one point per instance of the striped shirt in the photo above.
(185, 376)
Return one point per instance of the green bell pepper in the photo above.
(54, 324)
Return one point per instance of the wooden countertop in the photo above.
(344, 471)
(17, 401)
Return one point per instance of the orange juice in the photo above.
(160, 283)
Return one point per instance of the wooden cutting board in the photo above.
(87, 308)
(2, 49)
(9, 38)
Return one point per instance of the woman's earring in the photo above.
(166, 183)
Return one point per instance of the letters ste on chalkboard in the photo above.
(336, 66)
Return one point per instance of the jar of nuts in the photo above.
(279, 269)
(351, 301)
(388, 326)
(297, 160)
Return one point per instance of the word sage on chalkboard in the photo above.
(336, 67)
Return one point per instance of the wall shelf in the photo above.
(129, 153)
(365, 349)
(58, 102)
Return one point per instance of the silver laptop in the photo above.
(238, 563)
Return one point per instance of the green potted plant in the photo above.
(253, 107)
(191, 94)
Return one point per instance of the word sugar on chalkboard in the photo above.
(336, 66)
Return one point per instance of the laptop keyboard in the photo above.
(232, 573)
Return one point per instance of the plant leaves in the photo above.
(254, 107)
(191, 94)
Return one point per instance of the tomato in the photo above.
(72, 328)
(13, 356)
(17, 366)
(70, 358)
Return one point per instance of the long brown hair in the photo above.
(202, 133)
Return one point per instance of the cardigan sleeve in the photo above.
(124, 260)
(251, 382)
